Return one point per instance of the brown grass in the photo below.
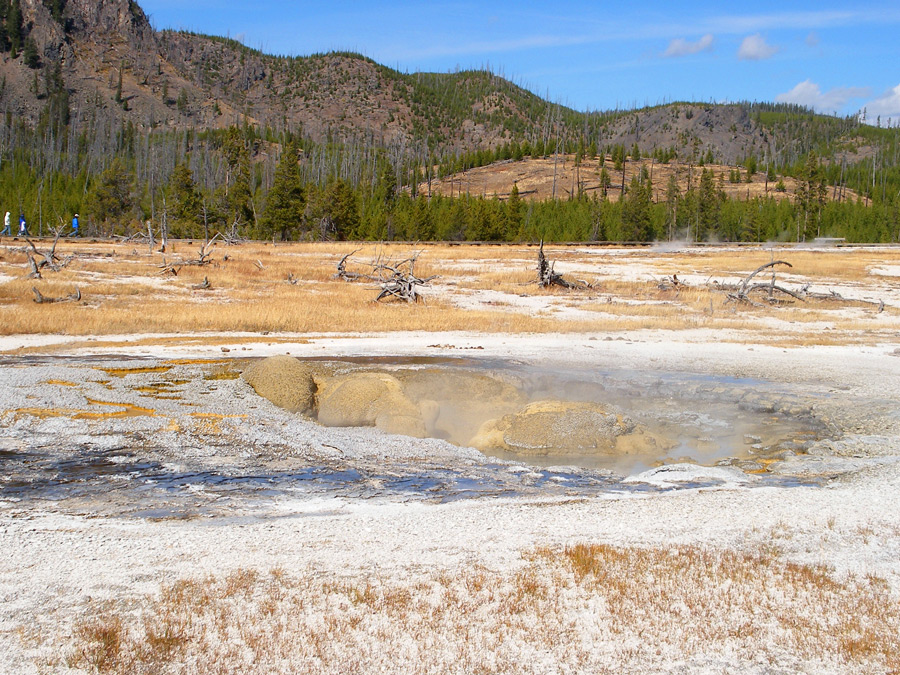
(585, 608)
(535, 178)
(124, 292)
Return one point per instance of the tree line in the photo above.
(260, 183)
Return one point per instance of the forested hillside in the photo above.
(105, 116)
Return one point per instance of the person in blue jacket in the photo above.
(23, 226)
(75, 230)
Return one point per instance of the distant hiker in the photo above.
(75, 226)
(23, 226)
(6, 225)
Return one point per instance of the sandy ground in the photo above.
(59, 555)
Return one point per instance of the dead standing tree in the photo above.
(548, 277)
(49, 259)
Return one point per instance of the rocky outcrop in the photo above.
(285, 381)
(460, 402)
(565, 428)
(369, 399)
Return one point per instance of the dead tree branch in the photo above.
(742, 294)
(548, 277)
(45, 300)
(48, 259)
(204, 257)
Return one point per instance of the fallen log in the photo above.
(46, 300)
(743, 292)
(402, 284)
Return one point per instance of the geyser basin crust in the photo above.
(623, 421)
(285, 381)
(566, 428)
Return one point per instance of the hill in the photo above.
(107, 116)
(112, 64)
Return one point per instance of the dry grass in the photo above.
(535, 178)
(586, 608)
(124, 291)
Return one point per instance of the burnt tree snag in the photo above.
(402, 282)
(548, 277)
(742, 294)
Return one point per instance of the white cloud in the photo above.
(886, 105)
(810, 94)
(755, 48)
(812, 40)
(680, 47)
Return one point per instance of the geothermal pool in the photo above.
(188, 439)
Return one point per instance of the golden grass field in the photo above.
(261, 287)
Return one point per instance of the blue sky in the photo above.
(835, 57)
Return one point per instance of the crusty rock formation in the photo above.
(460, 402)
(369, 399)
(565, 428)
(285, 381)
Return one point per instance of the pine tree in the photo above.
(514, 213)
(708, 206)
(185, 204)
(341, 210)
(283, 214)
(14, 28)
(119, 84)
(636, 211)
(112, 196)
(673, 197)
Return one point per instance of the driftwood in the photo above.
(670, 283)
(48, 259)
(205, 285)
(395, 279)
(348, 275)
(121, 238)
(548, 277)
(45, 300)
(204, 257)
(401, 282)
(742, 294)
(837, 297)
(232, 238)
(35, 268)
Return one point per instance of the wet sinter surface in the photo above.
(182, 439)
